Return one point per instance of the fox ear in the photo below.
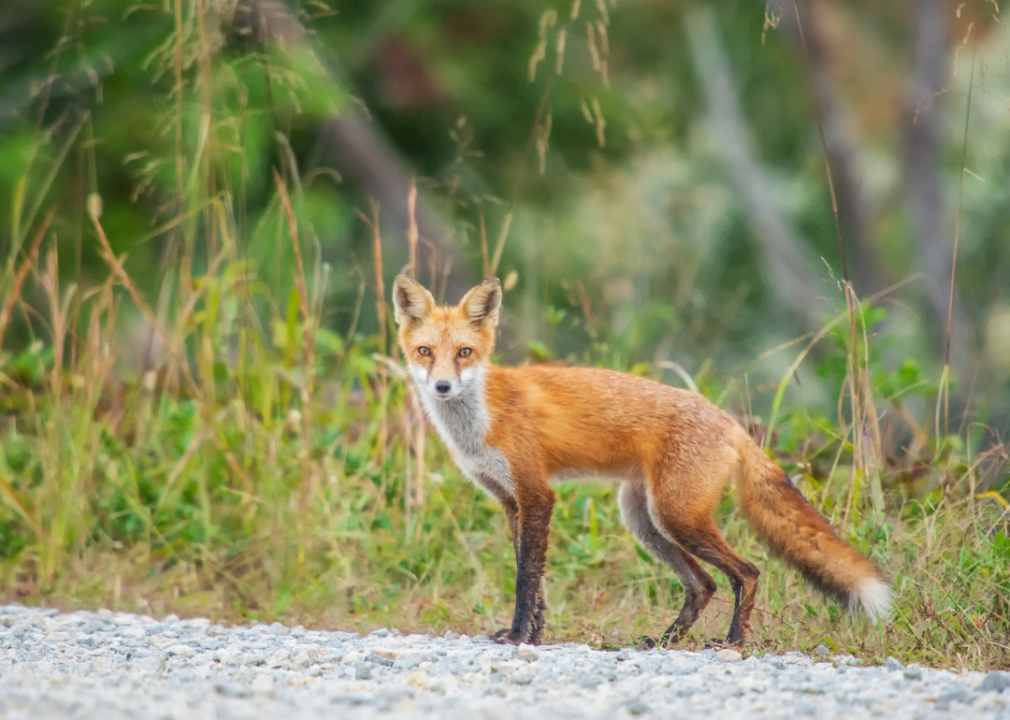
(411, 302)
(481, 305)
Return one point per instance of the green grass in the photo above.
(268, 468)
(226, 488)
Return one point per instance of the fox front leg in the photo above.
(533, 535)
(511, 508)
(534, 521)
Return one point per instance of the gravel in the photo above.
(118, 665)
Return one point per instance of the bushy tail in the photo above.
(794, 530)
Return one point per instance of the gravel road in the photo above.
(117, 665)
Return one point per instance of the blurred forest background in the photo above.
(799, 208)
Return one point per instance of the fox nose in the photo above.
(442, 387)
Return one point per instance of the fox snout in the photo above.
(442, 389)
(439, 386)
(443, 385)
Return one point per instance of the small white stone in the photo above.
(523, 677)
(252, 658)
(419, 679)
(302, 656)
(528, 653)
(263, 684)
(149, 664)
(728, 656)
(352, 656)
(751, 684)
(184, 651)
(278, 659)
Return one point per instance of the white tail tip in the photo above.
(875, 597)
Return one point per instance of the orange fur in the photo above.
(515, 430)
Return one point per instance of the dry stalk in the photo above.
(51, 284)
(412, 226)
(483, 247)
(22, 274)
(420, 437)
(180, 163)
(380, 306)
(864, 416)
(413, 418)
(310, 362)
(116, 264)
(20, 507)
(944, 391)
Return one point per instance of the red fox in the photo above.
(513, 431)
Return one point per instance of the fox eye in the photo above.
(465, 352)
(423, 351)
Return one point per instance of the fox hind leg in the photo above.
(695, 532)
(699, 587)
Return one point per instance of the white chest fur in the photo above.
(463, 422)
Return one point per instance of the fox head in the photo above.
(446, 347)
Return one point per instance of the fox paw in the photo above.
(644, 642)
(505, 637)
(537, 627)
